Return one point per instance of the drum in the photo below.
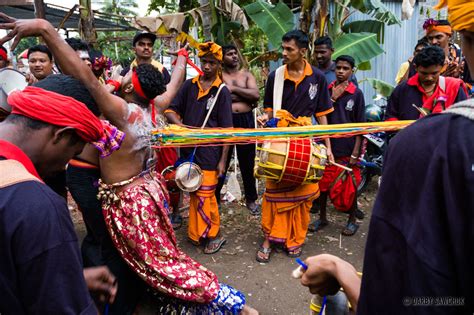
(297, 161)
(188, 177)
(10, 80)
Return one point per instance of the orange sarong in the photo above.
(204, 221)
(285, 212)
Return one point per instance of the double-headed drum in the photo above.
(297, 161)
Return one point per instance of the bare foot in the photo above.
(247, 310)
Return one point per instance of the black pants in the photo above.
(97, 248)
(246, 156)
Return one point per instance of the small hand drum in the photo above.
(298, 161)
(10, 80)
(189, 177)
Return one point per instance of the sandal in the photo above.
(317, 225)
(253, 208)
(350, 229)
(265, 257)
(294, 253)
(195, 243)
(214, 245)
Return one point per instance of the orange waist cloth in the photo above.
(204, 220)
(285, 212)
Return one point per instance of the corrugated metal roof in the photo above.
(55, 14)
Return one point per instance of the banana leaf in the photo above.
(364, 66)
(221, 30)
(367, 26)
(361, 46)
(383, 88)
(274, 20)
(377, 10)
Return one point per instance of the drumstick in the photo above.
(341, 166)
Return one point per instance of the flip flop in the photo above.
(350, 229)
(317, 225)
(217, 243)
(253, 208)
(265, 251)
(295, 252)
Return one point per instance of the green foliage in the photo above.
(221, 30)
(383, 88)
(120, 51)
(25, 43)
(377, 10)
(366, 26)
(274, 20)
(361, 46)
(119, 7)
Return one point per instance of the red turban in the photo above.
(3, 54)
(64, 111)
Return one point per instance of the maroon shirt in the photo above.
(191, 103)
(308, 97)
(348, 108)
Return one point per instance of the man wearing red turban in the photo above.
(40, 264)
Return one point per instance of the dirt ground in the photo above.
(269, 287)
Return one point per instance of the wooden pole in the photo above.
(86, 24)
(40, 11)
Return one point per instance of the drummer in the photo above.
(285, 209)
(3, 57)
(349, 107)
(190, 107)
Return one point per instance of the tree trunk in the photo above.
(206, 15)
(305, 15)
(86, 24)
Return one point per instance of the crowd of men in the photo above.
(74, 114)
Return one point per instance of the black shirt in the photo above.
(40, 263)
(421, 234)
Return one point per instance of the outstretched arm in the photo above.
(179, 72)
(111, 106)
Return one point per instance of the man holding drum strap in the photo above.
(285, 208)
(190, 107)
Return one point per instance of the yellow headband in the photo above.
(210, 48)
(460, 13)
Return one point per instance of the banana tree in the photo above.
(360, 39)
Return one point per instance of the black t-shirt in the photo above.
(40, 263)
(193, 109)
(421, 234)
(348, 108)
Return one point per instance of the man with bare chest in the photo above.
(244, 92)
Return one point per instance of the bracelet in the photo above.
(115, 84)
(354, 157)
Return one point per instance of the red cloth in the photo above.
(12, 152)
(137, 86)
(64, 111)
(3, 54)
(341, 192)
(165, 157)
(141, 231)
